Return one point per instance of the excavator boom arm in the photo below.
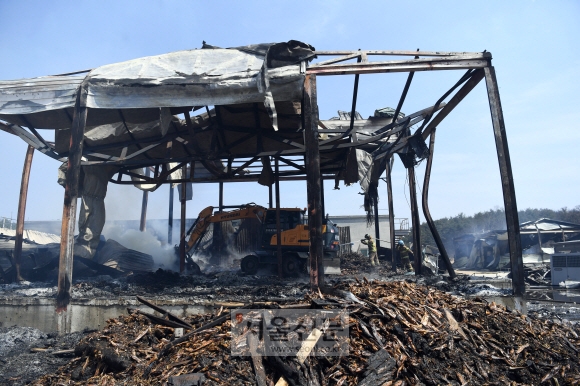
(207, 217)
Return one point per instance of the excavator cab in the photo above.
(290, 219)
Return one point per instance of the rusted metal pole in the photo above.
(312, 165)
(182, 222)
(415, 220)
(22, 210)
(278, 226)
(391, 215)
(507, 182)
(426, 211)
(71, 193)
(143, 222)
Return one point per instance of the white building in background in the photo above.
(359, 227)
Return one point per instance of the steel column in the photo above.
(221, 197)
(376, 215)
(312, 165)
(278, 228)
(426, 211)
(143, 222)
(391, 214)
(71, 193)
(22, 210)
(170, 221)
(507, 182)
(182, 223)
(416, 222)
(270, 199)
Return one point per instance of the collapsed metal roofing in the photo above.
(547, 225)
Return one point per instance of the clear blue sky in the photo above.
(534, 44)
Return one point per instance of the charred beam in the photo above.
(312, 165)
(507, 182)
(427, 213)
(71, 193)
(391, 214)
(416, 222)
(22, 210)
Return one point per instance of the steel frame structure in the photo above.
(300, 161)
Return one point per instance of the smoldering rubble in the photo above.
(399, 333)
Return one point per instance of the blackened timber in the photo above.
(415, 221)
(507, 182)
(427, 213)
(391, 214)
(164, 312)
(278, 225)
(71, 193)
(22, 209)
(313, 175)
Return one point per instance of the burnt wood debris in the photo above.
(400, 333)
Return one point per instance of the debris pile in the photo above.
(535, 275)
(400, 333)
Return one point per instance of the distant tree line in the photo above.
(493, 219)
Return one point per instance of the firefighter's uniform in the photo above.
(404, 252)
(368, 240)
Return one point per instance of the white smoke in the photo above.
(146, 242)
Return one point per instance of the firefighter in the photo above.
(368, 240)
(404, 252)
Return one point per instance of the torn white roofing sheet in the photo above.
(32, 235)
(197, 77)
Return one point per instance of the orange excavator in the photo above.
(295, 238)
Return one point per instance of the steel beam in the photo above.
(426, 211)
(415, 221)
(403, 53)
(313, 175)
(22, 210)
(278, 225)
(391, 214)
(428, 64)
(377, 227)
(182, 222)
(143, 221)
(170, 219)
(507, 182)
